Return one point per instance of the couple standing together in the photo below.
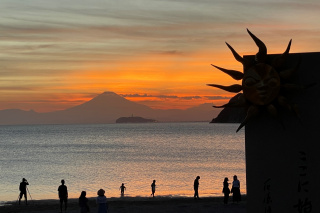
(235, 190)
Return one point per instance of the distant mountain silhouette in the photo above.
(106, 108)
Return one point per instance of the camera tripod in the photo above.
(18, 200)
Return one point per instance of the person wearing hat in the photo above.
(23, 190)
(102, 201)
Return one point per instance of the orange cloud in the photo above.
(158, 75)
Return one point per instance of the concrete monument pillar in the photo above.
(283, 161)
(282, 144)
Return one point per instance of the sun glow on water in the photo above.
(90, 157)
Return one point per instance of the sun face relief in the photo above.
(261, 83)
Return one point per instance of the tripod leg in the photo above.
(29, 194)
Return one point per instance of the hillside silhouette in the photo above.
(107, 108)
(231, 114)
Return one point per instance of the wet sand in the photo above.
(135, 205)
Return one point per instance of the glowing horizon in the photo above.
(56, 55)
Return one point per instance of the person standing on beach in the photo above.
(83, 203)
(102, 202)
(226, 190)
(23, 190)
(122, 188)
(196, 187)
(63, 195)
(153, 188)
(236, 189)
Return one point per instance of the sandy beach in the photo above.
(135, 205)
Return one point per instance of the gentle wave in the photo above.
(90, 157)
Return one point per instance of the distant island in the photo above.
(107, 108)
(134, 120)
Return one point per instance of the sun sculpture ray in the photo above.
(265, 84)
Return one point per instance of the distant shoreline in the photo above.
(125, 197)
(134, 204)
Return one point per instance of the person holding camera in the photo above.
(23, 190)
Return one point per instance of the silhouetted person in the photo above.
(236, 189)
(226, 190)
(83, 203)
(23, 190)
(196, 187)
(153, 188)
(122, 188)
(63, 195)
(102, 202)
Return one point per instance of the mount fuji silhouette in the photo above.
(107, 108)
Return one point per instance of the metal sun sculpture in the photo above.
(265, 85)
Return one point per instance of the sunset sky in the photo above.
(55, 54)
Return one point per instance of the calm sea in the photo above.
(90, 157)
